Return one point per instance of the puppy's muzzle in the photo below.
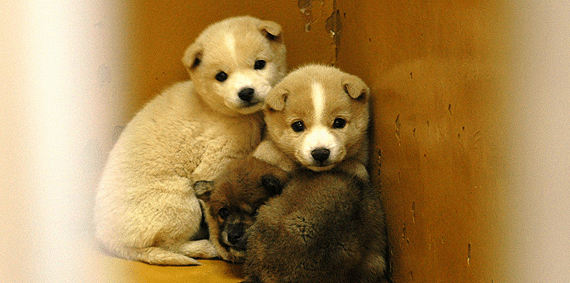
(236, 236)
(321, 154)
(246, 95)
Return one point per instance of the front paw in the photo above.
(355, 168)
(199, 249)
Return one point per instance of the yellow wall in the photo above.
(438, 150)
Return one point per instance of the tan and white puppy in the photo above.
(230, 203)
(328, 224)
(316, 118)
(145, 207)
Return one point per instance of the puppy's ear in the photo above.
(203, 190)
(276, 98)
(272, 185)
(355, 87)
(193, 56)
(271, 30)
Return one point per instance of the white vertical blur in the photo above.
(60, 81)
(539, 227)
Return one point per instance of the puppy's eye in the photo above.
(259, 64)
(221, 76)
(339, 123)
(224, 212)
(298, 126)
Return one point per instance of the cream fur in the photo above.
(145, 207)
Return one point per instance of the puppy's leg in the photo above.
(373, 268)
(267, 152)
(159, 256)
(354, 167)
(219, 153)
(199, 249)
(163, 213)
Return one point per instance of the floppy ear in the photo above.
(193, 56)
(355, 87)
(271, 30)
(272, 185)
(276, 98)
(203, 190)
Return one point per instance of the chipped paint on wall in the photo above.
(306, 9)
(333, 26)
(310, 10)
(319, 19)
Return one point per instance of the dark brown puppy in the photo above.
(324, 227)
(230, 203)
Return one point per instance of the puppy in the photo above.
(316, 118)
(146, 208)
(230, 203)
(325, 227)
(328, 224)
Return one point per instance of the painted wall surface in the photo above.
(435, 72)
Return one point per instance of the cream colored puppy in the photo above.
(146, 208)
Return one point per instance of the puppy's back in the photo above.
(325, 226)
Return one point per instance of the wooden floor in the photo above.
(112, 269)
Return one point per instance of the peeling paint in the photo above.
(469, 254)
(333, 26)
(306, 9)
(398, 127)
(414, 212)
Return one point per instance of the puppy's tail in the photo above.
(157, 256)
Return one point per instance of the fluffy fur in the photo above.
(145, 207)
(231, 202)
(329, 107)
(325, 227)
(328, 225)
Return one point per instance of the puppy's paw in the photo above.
(182, 261)
(267, 152)
(356, 168)
(160, 256)
(199, 249)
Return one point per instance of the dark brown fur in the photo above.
(231, 203)
(325, 227)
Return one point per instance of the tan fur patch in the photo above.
(297, 93)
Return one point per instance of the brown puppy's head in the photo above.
(318, 116)
(230, 203)
(234, 63)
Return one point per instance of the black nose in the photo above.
(246, 94)
(321, 154)
(235, 235)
